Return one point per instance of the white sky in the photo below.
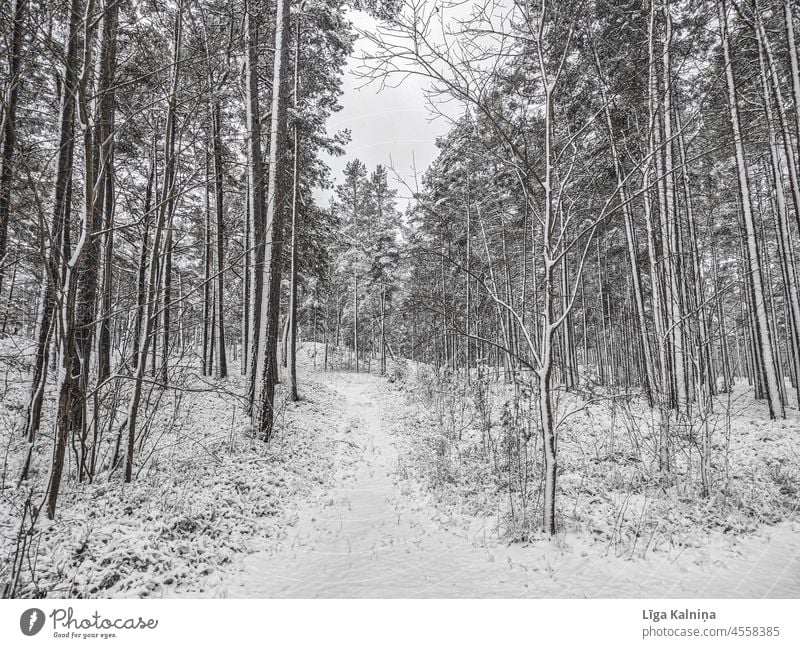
(389, 126)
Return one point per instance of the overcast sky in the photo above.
(389, 126)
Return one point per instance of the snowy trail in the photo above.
(366, 538)
(376, 535)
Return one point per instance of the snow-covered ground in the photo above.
(205, 491)
(340, 506)
(380, 533)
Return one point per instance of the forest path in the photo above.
(368, 536)
(375, 534)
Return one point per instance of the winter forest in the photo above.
(562, 360)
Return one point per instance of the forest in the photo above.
(570, 345)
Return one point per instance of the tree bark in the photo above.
(222, 361)
(255, 200)
(106, 127)
(785, 247)
(54, 248)
(207, 286)
(69, 324)
(270, 300)
(755, 277)
(9, 134)
(295, 221)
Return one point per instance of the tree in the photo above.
(276, 190)
(9, 121)
(763, 338)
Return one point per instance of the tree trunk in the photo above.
(106, 127)
(785, 247)
(670, 227)
(355, 318)
(755, 278)
(98, 152)
(54, 249)
(270, 301)
(10, 126)
(71, 324)
(255, 200)
(244, 354)
(208, 313)
(222, 361)
(295, 222)
(383, 330)
(141, 282)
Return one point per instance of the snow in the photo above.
(372, 535)
(207, 492)
(381, 533)
(351, 500)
